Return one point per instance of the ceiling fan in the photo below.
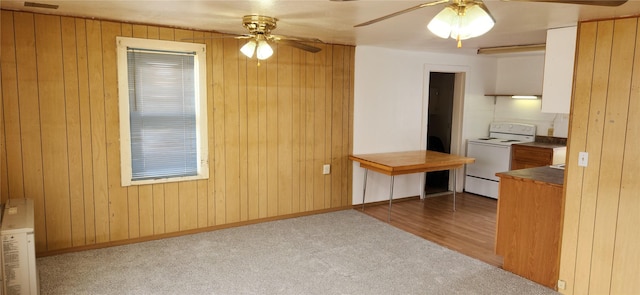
(260, 36)
(463, 19)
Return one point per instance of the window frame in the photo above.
(122, 43)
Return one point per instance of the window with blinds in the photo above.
(162, 111)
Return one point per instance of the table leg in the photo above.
(454, 189)
(364, 187)
(390, 198)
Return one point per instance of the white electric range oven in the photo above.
(493, 155)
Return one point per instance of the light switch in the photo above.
(326, 169)
(583, 159)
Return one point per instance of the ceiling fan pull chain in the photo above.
(459, 41)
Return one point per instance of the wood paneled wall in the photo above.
(271, 128)
(601, 239)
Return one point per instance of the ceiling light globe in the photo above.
(441, 24)
(472, 22)
(249, 48)
(476, 21)
(264, 51)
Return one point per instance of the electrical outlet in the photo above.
(583, 159)
(562, 284)
(326, 169)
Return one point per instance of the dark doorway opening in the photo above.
(441, 90)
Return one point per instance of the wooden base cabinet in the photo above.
(529, 155)
(529, 226)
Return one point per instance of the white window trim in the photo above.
(201, 105)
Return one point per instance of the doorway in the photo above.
(439, 119)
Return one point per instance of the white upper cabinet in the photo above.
(558, 70)
(520, 74)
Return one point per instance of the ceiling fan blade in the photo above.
(226, 35)
(292, 38)
(299, 45)
(583, 2)
(401, 12)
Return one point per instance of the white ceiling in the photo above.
(517, 23)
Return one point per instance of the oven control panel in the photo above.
(513, 128)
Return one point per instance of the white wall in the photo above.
(523, 74)
(388, 109)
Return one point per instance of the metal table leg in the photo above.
(364, 187)
(454, 189)
(390, 198)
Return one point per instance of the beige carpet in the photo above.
(343, 252)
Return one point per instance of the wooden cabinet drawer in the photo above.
(523, 156)
(532, 154)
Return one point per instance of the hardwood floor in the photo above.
(469, 230)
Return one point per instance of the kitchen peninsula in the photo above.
(530, 222)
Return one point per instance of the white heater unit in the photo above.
(19, 274)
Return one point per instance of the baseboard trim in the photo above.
(185, 232)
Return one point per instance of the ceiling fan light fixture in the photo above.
(461, 22)
(249, 48)
(263, 51)
(475, 22)
(441, 24)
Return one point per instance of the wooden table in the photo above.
(398, 163)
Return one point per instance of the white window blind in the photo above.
(162, 107)
(163, 111)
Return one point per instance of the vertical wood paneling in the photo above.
(29, 114)
(253, 140)
(12, 156)
(600, 241)
(74, 143)
(118, 198)
(336, 125)
(55, 159)
(295, 131)
(328, 137)
(348, 125)
(243, 141)
(4, 181)
(171, 207)
(188, 195)
(319, 128)
(232, 130)
(284, 130)
(310, 130)
(98, 130)
(211, 90)
(615, 123)
(272, 136)
(262, 141)
(627, 236)
(219, 175)
(85, 130)
(272, 125)
(158, 208)
(145, 202)
(593, 139)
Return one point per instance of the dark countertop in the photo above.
(544, 175)
(551, 139)
(542, 144)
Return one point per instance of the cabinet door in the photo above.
(529, 157)
(558, 70)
